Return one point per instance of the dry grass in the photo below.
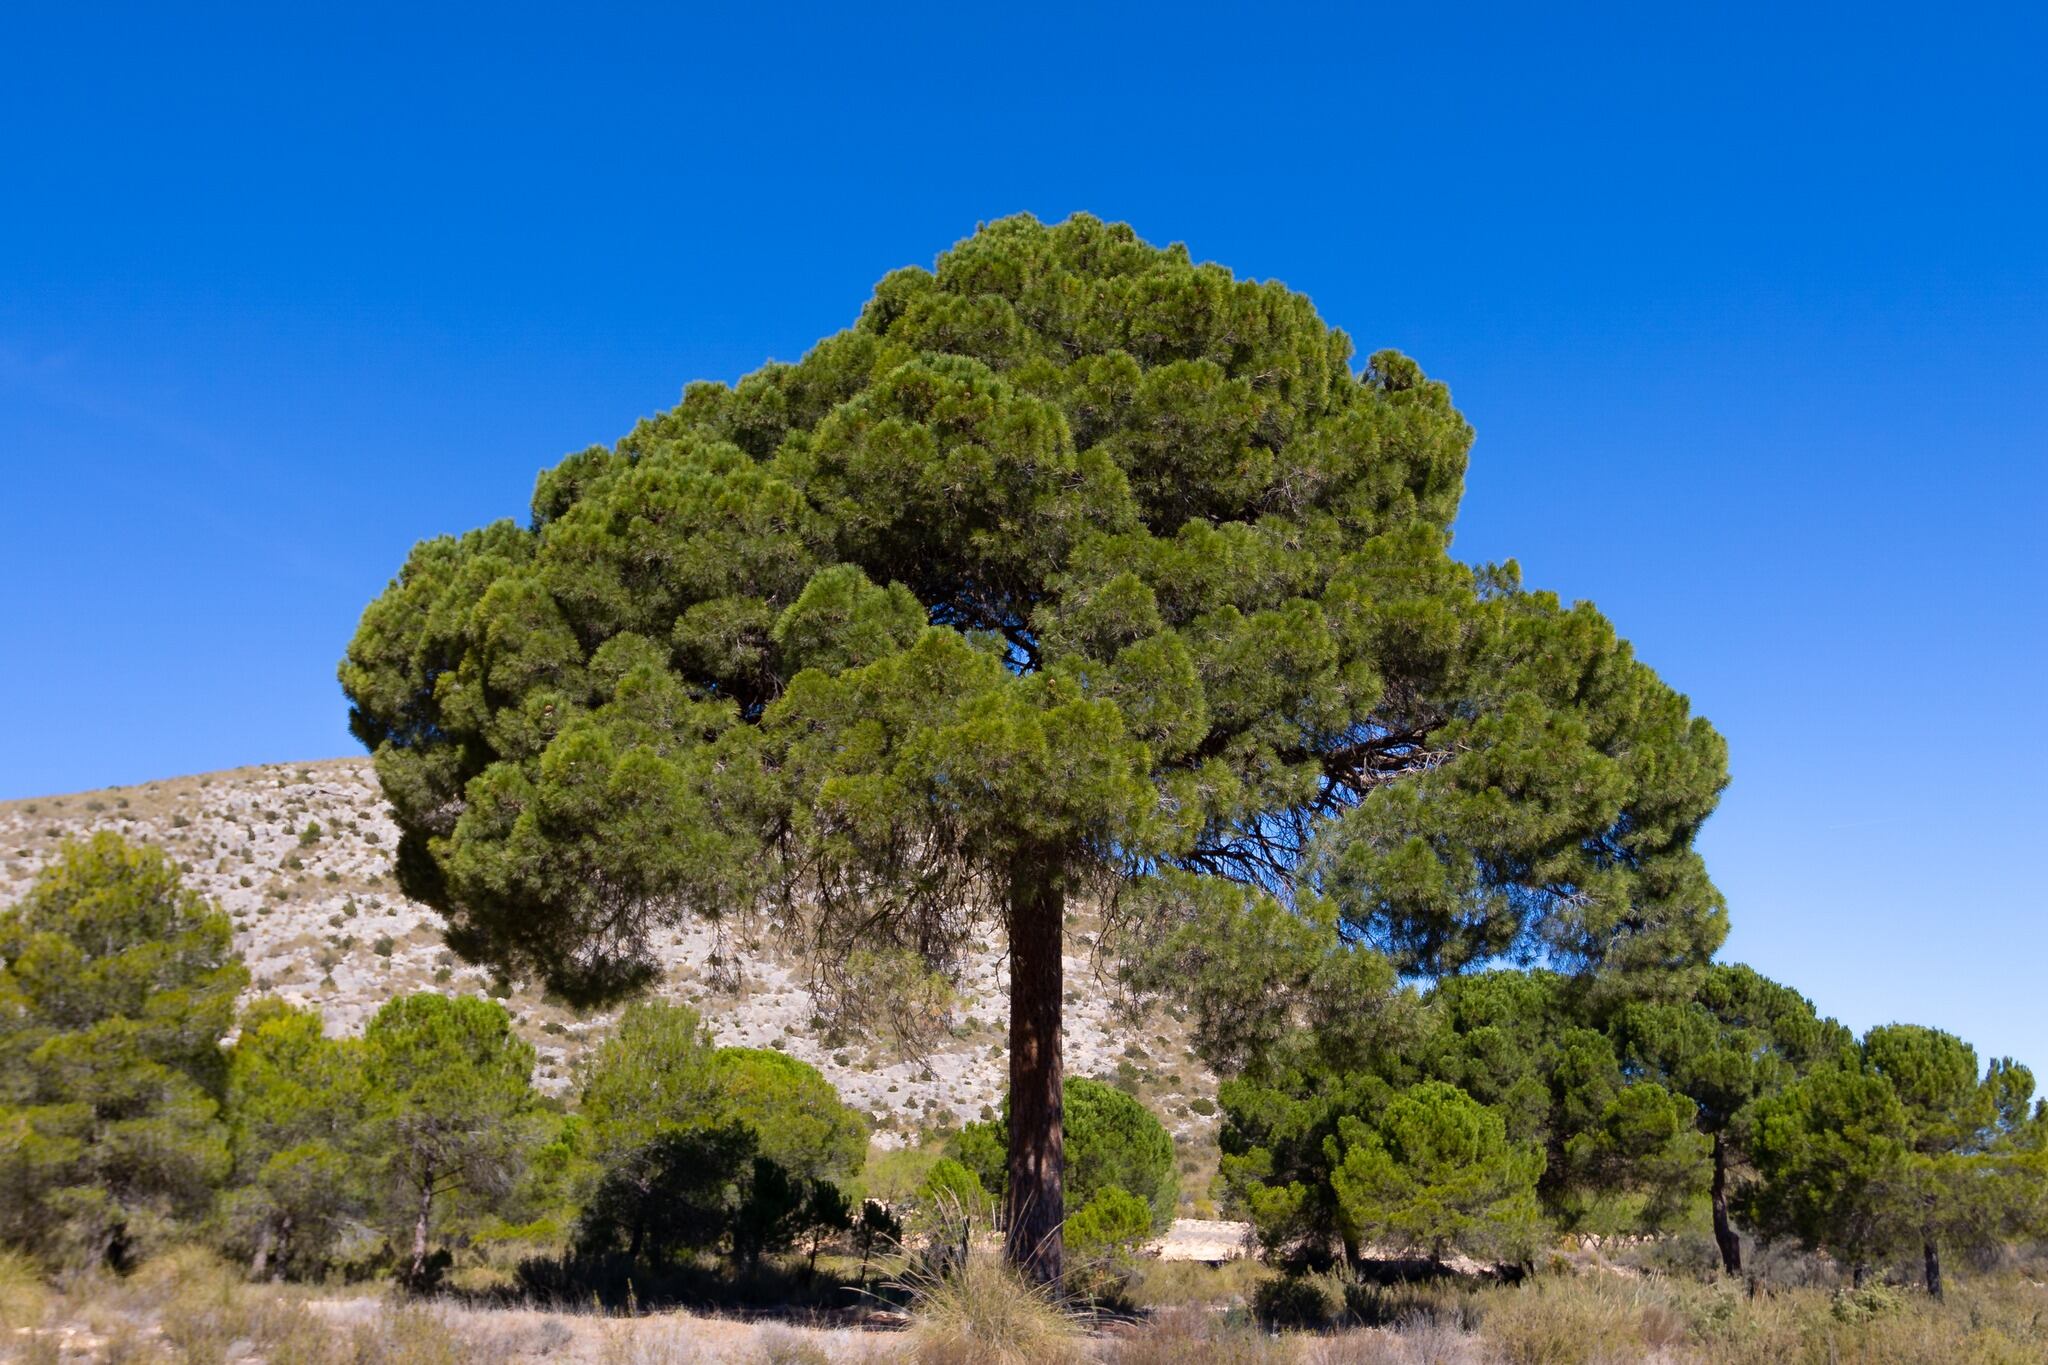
(24, 1298)
(187, 1306)
(1601, 1318)
(986, 1314)
(1181, 1284)
(1181, 1336)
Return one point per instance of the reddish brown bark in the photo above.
(1036, 1199)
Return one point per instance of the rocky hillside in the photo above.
(300, 856)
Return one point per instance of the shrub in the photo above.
(1103, 1240)
(1564, 1321)
(1862, 1305)
(23, 1295)
(1110, 1228)
(1297, 1301)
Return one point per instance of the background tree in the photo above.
(1832, 1154)
(295, 1107)
(450, 1093)
(1618, 1151)
(776, 1142)
(1110, 1140)
(1896, 1145)
(658, 1070)
(649, 1079)
(1960, 1127)
(795, 1114)
(1737, 1038)
(117, 985)
(679, 1195)
(1071, 563)
(1436, 1172)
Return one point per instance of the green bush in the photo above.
(1103, 1240)
(1110, 1140)
(1293, 1301)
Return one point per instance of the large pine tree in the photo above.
(1072, 568)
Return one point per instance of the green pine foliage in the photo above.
(295, 1102)
(117, 986)
(1106, 1234)
(1734, 1039)
(658, 1071)
(1641, 1094)
(693, 1147)
(1112, 1142)
(1435, 1171)
(794, 1112)
(450, 1110)
(1897, 1146)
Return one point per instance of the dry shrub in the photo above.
(1663, 1327)
(779, 1346)
(983, 1313)
(405, 1334)
(1173, 1284)
(1564, 1321)
(1182, 1336)
(1448, 1305)
(628, 1342)
(24, 1296)
(1430, 1343)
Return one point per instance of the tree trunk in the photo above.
(419, 1238)
(1035, 1202)
(1724, 1235)
(1931, 1256)
(261, 1261)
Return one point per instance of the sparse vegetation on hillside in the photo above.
(343, 940)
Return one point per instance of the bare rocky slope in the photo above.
(300, 856)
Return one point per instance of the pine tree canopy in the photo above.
(1070, 552)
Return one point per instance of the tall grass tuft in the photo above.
(24, 1297)
(984, 1313)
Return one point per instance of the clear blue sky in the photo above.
(1750, 311)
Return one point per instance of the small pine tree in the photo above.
(450, 1093)
(1435, 1172)
(117, 984)
(295, 1098)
